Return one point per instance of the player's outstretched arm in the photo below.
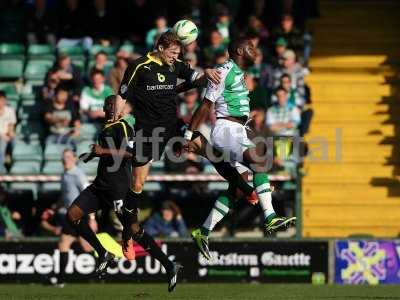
(214, 75)
(198, 118)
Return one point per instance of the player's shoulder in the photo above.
(224, 67)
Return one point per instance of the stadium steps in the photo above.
(352, 173)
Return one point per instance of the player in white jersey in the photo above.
(229, 136)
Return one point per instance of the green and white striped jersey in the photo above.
(231, 94)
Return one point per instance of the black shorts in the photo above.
(69, 229)
(150, 141)
(93, 199)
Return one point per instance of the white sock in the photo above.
(265, 197)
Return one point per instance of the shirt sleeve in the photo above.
(186, 72)
(81, 180)
(270, 117)
(85, 100)
(127, 79)
(296, 118)
(214, 91)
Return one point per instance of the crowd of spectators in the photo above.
(70, 98)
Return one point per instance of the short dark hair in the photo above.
(168, 39)
(96, 71)
(62, 87)
(280, 88)
(3, 94)
(109, 99)
(101, 52)
(236, 44)
(286, 75)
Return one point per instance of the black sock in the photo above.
(232, 176)
(63, 265)
(150, 246)
(84, 230)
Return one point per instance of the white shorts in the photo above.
(231, 138)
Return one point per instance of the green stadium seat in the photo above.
(10, 89)
(54, 151)
(152, 187)
(84, 146)
(12, 51)
(158, 166)
(37, 69)
(209, 169)
(11, 68)
(25, 168)
(79, 62)
(53, 167)
(90, 168)
(23, 151)
(33, 187)
(13, 104)
(41, 52)
(129, 48)
(97, 48)
(71, 50)
(30, 130)
(89, 131)
(218, 186)
(48, 187)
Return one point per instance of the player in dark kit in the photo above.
(150, 84)
(113, 176)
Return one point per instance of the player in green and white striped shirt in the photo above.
(229, 135)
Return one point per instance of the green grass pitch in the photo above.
(199, 291)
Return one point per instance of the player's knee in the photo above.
(74, 214)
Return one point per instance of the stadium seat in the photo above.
(33, 187)
(97, 48)
(36, 70)
(12, 51)
(72, 51)
(54, 151)
(26, 152)
(10, 89)
(30, 130)
(152, 187)
(127, 48)
(84, 146)
(89, 131)
(11, 68)
(41, 52)
(217, 186)
(90, 168)
(209, 169)
(157, 166)
(48, 187)
(53, 167)
(79, 62)
(25, 167)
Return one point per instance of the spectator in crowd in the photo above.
(260, 70)
(117, 72)
(68, 75)
(193, 48)
(10, 217)
(256, 27)
(259, 127)
(223, 25)
(92, 98)
(214, 47)
(100, 63)
(160, 27)
(292, 35)
(7, 129)
(295, 70)
(276, 59)
(283, 119)
(73, 181)
(41, 24)
(48, 90)
(73, 25)
(189, 105)
(294, 98)
(167, 223)
(191, 59)
(62, 119)
(220, 57)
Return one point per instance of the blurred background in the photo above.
(329, 67)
